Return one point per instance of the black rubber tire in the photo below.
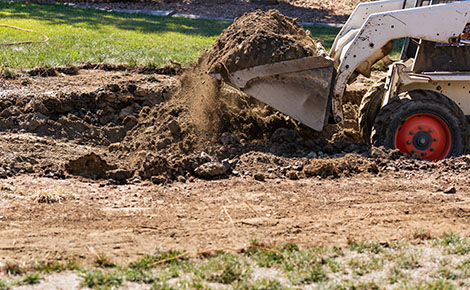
(392, 115)
(369, 108)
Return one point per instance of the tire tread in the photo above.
(400, 104)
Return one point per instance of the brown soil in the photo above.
(128, 221)
(260, 38)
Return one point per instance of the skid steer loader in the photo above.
(420, 108)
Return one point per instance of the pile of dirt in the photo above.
(203, 111)
(206, 121)
(260, 38)
(129, 127)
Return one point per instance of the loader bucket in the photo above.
(299, 88)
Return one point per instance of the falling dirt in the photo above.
(259, 38)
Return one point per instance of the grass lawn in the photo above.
(85, 35)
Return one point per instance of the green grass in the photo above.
(56, 266)
(30, 279)
(100, 279)
(224, 268)
(363, 247)
(264, 284)
(86, 35)
(3, 285)
(102, 261)
(325, 34)
(148, 261)
(395, 275)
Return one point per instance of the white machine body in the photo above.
(363, 39)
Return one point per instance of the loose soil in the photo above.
(128, 221)
(259, 38)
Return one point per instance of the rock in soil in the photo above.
(259, 177)
(210, 169)
(120, 174)
(450, 190)
(158, 179)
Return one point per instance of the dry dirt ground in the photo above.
(128, 221)
(158, 201)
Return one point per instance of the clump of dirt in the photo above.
(90, 166)
(345, 166)
(260, 38)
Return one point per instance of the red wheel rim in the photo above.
(426, 135)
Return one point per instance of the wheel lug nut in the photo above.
(423, 154)
(435, 139)
(421, 127)
(408, 142)
(432, 149)
(413, 151)
(430, 130)
(412, 133)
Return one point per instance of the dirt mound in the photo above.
(260, 38)
(154, 127)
